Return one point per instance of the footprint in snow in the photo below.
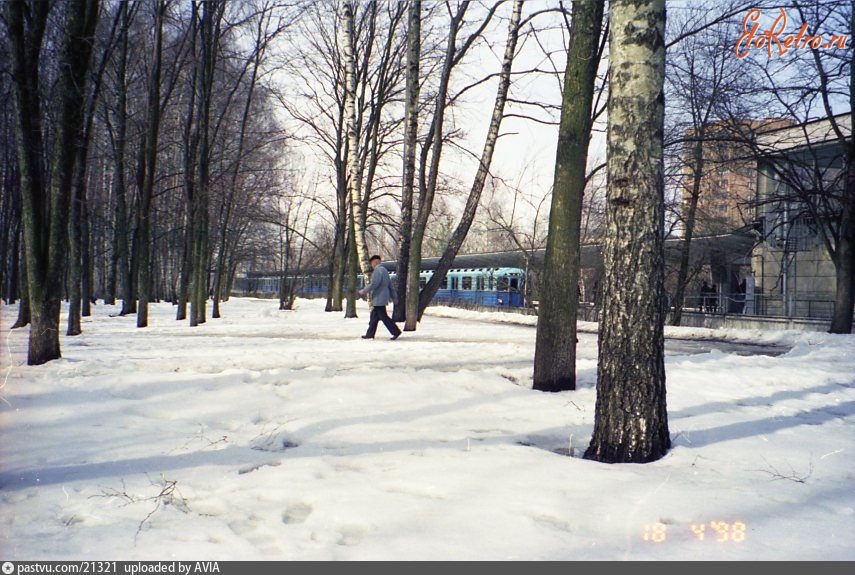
(296, 513)
(352, 534)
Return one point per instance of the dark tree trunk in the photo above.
(46, 206)
(555, 349)
(15, 283)
(150, 165)
(120, 268)
(87, 281)
(208, 44)
(186, 271)
(844, 261)
(689, 232)
(411, 120)
(191, 142)
(631, 421)
(80, 269)
(339, 254)
(75, 233)
(223, 251)
(24, 306)
(352, 271)
(334, 288)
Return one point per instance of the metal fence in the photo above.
(761, 305)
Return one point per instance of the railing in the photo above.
(761, 304)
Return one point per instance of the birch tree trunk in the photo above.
(631, 421)
(354, 180)
(555, 348)
(472, 201)
(411, 126)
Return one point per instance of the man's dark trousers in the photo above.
(378, 314)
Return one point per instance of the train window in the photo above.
(515, 283)
(502, 284)
(422, 283)
(467, 282)
(479, 283)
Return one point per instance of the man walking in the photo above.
(381, 292)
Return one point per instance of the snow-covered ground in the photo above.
(282, 435)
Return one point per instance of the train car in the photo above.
(490, 286)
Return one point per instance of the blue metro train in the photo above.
(485, 286)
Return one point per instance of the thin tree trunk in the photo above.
(631, 421)
(462, 229)
(411, 124)
(352, 272)
(186, 271)
(121, 263)
(14, 281)
(80, 274)
(336, 263)
(147, 190)
(689, 232)
(844, 263)
(24, 306)
(75, 240)
(191, 141)
(209, 42)
(555, 348)
(428, 175)
(87, 281)
(219, 280)
(354, 179)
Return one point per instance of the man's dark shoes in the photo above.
(396, 336)
(367, 337)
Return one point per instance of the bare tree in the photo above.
(521, 234)
(209, 40)
(149, 168)
(315, 98)
(417, 301)
(79, 261)
(411, 113)
(703, 82)
(46, 198)
(807, 83)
